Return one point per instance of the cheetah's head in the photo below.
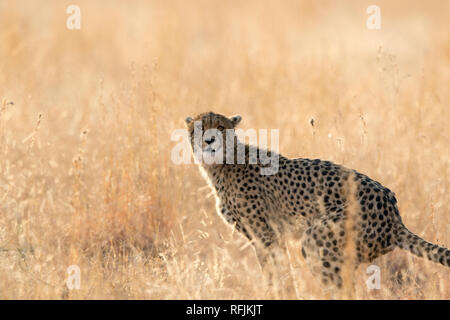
(210, 134)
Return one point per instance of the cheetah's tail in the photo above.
(416, 245)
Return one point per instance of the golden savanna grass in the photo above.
(86, 118)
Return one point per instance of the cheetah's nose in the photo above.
(211, 140)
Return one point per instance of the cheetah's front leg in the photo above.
(271, 255)
(274, 260)
(257, 230)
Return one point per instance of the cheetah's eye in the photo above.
(220, 128)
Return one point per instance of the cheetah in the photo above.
(327, 205)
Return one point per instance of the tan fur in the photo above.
(312, 193)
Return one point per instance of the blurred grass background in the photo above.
(86, 117)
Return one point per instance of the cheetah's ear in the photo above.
(188, 120)
(236, 119)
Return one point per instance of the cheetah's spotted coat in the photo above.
(310, 198)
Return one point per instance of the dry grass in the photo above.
(85, 170)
